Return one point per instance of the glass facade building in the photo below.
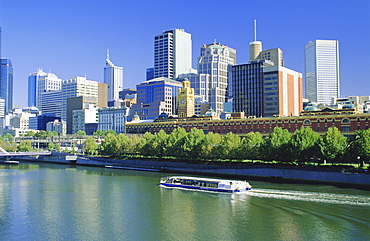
(33, 80)
(172, 53)
(6, 84)
(322, 70)
(113, 76)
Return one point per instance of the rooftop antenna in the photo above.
(255, 30)
(107, 53)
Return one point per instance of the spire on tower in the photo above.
(107, 53)
(255, 30)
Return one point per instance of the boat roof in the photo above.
(205, 179)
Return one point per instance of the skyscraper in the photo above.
(6, 83)
(46, 83)
(322, 70)
(113, 76)
(33, 80)
(263, 87)
(215, 60)
(172, 53)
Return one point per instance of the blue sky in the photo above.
(70, 38)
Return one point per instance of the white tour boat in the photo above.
(208, 184)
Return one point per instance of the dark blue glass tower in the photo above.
(6, 83)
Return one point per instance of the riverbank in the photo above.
(250, 172)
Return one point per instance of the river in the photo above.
(61, 202)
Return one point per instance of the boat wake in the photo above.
(310, 196)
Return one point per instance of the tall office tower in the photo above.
(33, 80)
(263, 90)
(46, 83)
(6, 83)
(80, 86)
(51, 102)
(113, 76)
(172, 53)
(155, 97)
(322, 70)
(215, 60)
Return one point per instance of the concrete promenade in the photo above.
(249, 172)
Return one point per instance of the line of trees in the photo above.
(303, 146)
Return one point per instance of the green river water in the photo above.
(60, 202)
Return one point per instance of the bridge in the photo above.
(8, 155)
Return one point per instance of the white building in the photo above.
(84, 116)
(113, 76)
(113, 119)
(215, 60)
(322, 70)
(46, 83)
(172, 53)
(21, 121)
(77, 86)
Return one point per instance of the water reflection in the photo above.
(51, 202)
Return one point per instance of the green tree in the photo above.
(98, 133)
(133, 144)
(109, 132)
(159, 144)
(360, 147)
(192, 144)
(333, 144)
(51, 146)
(80, 133)
(251, 146)
(8, 137)
(108, 146)
(305, 144)
(30, 133)
(209, 146)
(175, 142)
(277, 145)
(57, 147)
(145, 145)
(52, 133)
(25, 146)
(229, 146)
(41, 134)
(91, 146)
(121, 144)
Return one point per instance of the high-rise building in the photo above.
(322, 70)
(33, 80)
(51, 102)
(263, 87)
(263, 90)
(113, 76)
(172, 53)
(6, 83)
(80, 86)
(215, 60)
(46, 83)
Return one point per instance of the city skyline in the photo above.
(74, 42)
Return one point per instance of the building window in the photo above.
(345, 128)
(345, 120)
(307, 122)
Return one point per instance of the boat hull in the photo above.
(201, 188)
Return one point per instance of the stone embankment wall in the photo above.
(253, 171)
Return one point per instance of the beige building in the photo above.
(186, 100)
